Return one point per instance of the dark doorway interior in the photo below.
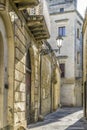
(28, 88)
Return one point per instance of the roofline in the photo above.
(56, 13)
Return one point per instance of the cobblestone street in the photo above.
(62, 119)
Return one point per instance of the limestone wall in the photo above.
(56, 89)
(22, 41)
(20, 72)
(85, 65)
(70, 47)
(3, 75)
(54, 5)
(18, 41)
(46, 85)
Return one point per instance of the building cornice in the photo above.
(71, 11)
(62, 57)
(60, 20)
(79, 14)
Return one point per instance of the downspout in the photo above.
(40, 82)
(51, 90)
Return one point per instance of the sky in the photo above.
(81, 6)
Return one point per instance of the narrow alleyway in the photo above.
(62, 119)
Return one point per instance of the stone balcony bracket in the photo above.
(37, 26)
(23, 4)
(2, 5)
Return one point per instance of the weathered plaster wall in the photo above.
(46, 85)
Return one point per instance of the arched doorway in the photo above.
(28, 87)
(1, 79)
(6, 70)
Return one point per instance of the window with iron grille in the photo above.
(62, 67)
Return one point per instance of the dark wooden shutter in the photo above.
(62, 67)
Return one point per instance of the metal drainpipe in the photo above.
(84, 98)
(82, 71)
(40, 82)
(51, 94)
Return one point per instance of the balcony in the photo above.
(23, 4)
(38, 21)
(38, 27)
(2, 4)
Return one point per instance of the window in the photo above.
(61, 10)
(62, 67)
(62, 31)
(78, 57)
(78, 33)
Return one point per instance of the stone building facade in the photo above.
(29, 79)
(67, 22)
(85, 65)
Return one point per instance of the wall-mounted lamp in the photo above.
(59, 41)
